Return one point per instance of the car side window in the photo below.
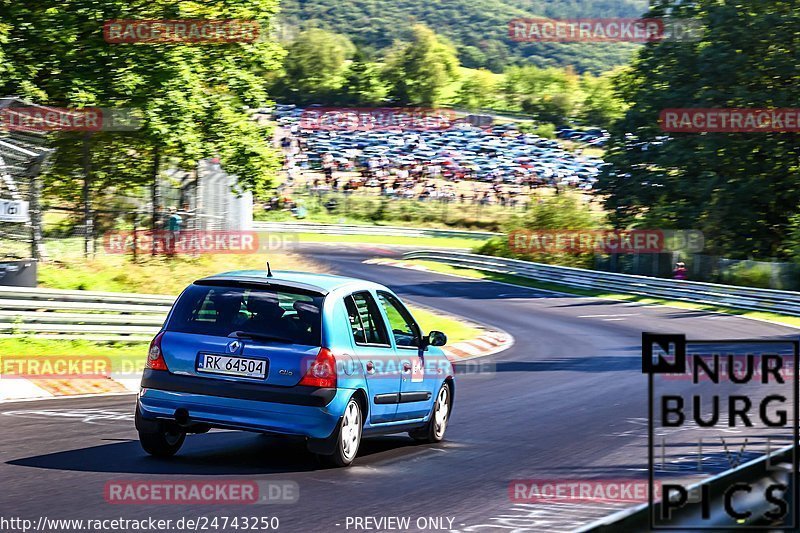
(366, 322)
(405, 330)
(355, 321)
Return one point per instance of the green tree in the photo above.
(478, 28)
(551, 94)
(472, 57)
(739, 188)
(601, 105)
(791, 245)
(558, 212)
(419, 71)
(186, 95)
(478, 90)
(316, 63)
(363, 85)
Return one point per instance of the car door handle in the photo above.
(406, 367)
(370, 368)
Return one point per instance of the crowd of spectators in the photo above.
(498, 165)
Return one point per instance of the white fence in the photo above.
(786, 302)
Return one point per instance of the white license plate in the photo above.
(232, 366)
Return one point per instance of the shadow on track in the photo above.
(215, 453)
(594, 363)
(472, 290)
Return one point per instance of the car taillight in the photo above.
(155, 358)
(322, 371)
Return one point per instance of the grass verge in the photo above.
(125, 357)
(155, 275)
(456, 330)
(647, 300)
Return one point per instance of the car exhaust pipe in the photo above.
(182, 417)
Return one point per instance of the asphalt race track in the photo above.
(568, 400)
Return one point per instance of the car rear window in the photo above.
(282, 314)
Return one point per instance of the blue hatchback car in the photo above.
(323, 357)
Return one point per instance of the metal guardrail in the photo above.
(66, 314)
(355, 229)
(786, 302)
(774, 468)
(84, 296)
(63, 314)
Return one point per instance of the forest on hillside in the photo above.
(478, 29)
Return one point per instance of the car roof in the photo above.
(321, 283)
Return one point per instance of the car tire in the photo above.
(163, 443)
(434, 430)
(348, 437)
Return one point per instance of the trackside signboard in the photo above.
(718, 412)
(13, 211)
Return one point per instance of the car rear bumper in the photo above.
(302, 411)
(241, 390)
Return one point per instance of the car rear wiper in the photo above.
(258, 336)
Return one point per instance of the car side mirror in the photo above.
(436, 338)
